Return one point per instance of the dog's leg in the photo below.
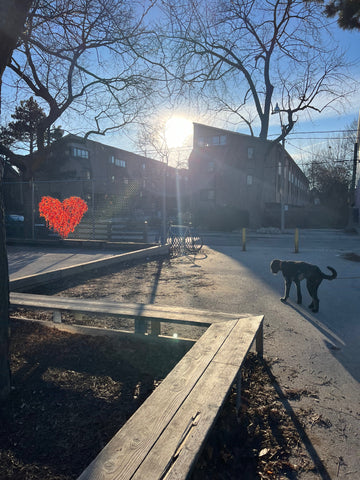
(312, 289)
(298, 290)
(287, 290)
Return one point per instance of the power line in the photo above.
(347, 130)
(321, 138)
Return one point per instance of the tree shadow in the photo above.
(321, 469)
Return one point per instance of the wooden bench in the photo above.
(139, 312)
(165, 436)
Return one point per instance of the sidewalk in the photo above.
(32, 265)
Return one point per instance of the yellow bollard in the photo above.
(296, 240)
(244, 239)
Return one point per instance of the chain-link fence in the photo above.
(115, 212)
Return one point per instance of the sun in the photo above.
(177, 131)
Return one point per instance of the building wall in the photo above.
(118, 181)
(229, 169)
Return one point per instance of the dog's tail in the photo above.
(329, 277)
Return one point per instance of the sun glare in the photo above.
(177, 131)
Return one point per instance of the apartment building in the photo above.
(114, 182)
(233, 170)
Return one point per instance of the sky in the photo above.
(309, 132)
(330, 120)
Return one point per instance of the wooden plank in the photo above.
(239, 342)
(155, 327)
(153, 312)
(179, 446)
(109, 332)
(173, 455)
(260, 340)
(126, 451)
(140, 325)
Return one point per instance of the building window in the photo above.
(218, 140)
(249, 180)
(86, 174)
(112, 159)
(207, 194)
(80, 152)
(214, 140)
(211, 194)
(211, 166)
(126, 181)
(250, 153)
(120, 163)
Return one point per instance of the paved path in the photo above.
(30, 260)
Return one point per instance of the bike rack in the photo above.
(183, 239)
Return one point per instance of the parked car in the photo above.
(15, 228)
(14, 225)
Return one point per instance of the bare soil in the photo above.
(72, 392)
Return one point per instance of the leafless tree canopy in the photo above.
(79, 56)
(246, 56)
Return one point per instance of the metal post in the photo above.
(244, 239)
(296, 240)
(350, 224)
(146, 232)
(93, 208)
(164, 230)
(32, 209)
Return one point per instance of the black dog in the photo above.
(297, 271)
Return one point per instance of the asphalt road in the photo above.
(314, 353)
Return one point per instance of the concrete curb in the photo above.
(56, 275)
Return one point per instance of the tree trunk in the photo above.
(4, 305)
(13, 14)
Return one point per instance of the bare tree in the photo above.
(152, 136)
(330, 173)
(253, 54)
(79, 57)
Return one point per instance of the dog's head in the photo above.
(275, 266)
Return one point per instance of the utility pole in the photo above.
(352, 198)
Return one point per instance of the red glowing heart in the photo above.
(62, 217)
